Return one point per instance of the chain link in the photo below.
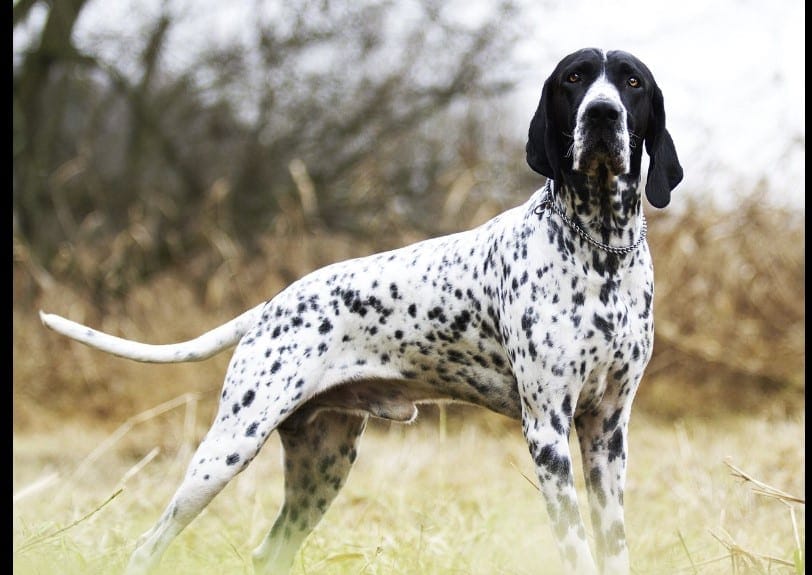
(547, 202)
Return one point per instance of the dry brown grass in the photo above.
(421, 499)
(729, 306)
(729, 315)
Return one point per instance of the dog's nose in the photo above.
(603, 112)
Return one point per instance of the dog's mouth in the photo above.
(601, 153)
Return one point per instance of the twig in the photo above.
(530, 481)
(688, 553)
(132, 471)
(41, 538)
(762, 488)
(125, 427)
(38, 485)
(737, 550)
(799, 551)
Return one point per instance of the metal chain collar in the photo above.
(547, 202)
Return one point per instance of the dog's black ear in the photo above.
(664, 169)
(540, 151)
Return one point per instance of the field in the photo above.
(100, 443)
(165, 181)
(436, 498)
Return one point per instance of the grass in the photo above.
(100, 443)
(425, 498)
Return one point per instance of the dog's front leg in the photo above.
(603, 436)
(546, 418)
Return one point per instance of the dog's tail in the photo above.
(197, 349)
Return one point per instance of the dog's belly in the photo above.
(390, 388)
(397, 399)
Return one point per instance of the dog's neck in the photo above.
(608, 208)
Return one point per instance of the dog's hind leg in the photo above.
(319, 451)
(245, 420)
(220, 457)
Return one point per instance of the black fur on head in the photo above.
(550, 137)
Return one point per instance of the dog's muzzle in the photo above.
(601, 138)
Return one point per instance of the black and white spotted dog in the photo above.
(543, 314)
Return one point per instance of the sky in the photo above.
(732, 74)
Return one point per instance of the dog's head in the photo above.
(596, 109)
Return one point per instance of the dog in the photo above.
(542, 314)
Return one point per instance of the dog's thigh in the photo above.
(319, 450)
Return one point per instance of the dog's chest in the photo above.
(575, 296)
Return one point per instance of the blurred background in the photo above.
(177, 161)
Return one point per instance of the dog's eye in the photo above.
(633, 82)
(574, 78)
